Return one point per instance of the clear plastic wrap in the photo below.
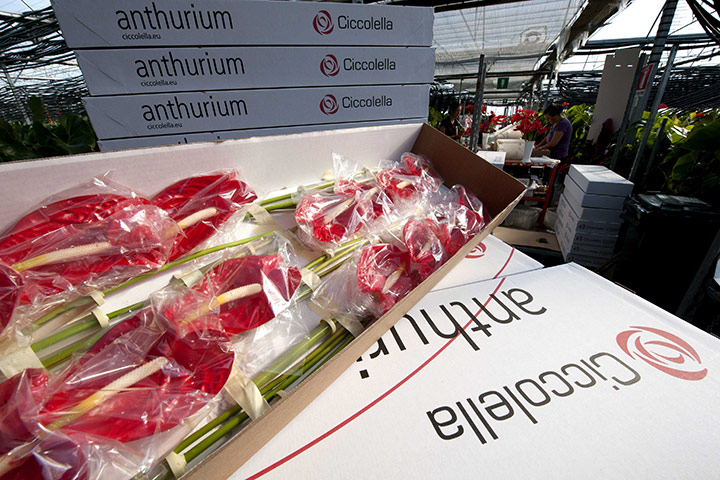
(201, 205)
(165, 368)
(409, 179)
(145, 376)
(90, 202)
(74, 260)
(461, 216)
(327, 219)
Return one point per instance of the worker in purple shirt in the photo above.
(555, 145)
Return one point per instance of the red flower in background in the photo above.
(699, 114)
(565, 104)
(211, 198)
(385, 271)
(662, 105)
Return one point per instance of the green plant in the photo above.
(692, 168)
(71, 134)
(435, 117)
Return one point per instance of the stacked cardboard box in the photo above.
(161, 72)
(588, 215)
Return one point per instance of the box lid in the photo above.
(600, 180)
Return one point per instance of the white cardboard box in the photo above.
(584, 380)
(173, 69)
(592, 214)
(172, 113)
(597, 179)
(269, 164)
(569, 232)
(569, 217)
(582, 199)
(128, 23)
(140, 142)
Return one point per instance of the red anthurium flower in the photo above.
(80, 210)
(18, 396)
(328, 217)
(188, 370)
(699, 114)
(423, 239)
(565, 104)
(55, 457)
(414, 176)
(662, 105)
(10, 286)
(202, 205)
(258, 287)
(132, 241)
(333, 218)
(349, 187)
(385, 271)
(142, 378)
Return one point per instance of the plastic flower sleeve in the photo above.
(461, 216)
(143, 377)
(409, 179)
(201, 205)
(90, 202)
(75, 260)
(423, 239)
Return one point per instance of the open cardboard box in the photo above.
(268, 164)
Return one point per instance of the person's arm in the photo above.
(442, 129)
(557, 136)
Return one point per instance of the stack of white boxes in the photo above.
(163, 72)
(588, 215)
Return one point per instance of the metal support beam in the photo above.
(653, 153)
(653, 112)
(477, 110)
(661, 37)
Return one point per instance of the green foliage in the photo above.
(435, 117)
(692, 168)
(71, 134)
(580, 117)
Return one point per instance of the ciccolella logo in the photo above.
(329, 66)
(329, 105)
(478, 251)
(662, 350)
(322, 23)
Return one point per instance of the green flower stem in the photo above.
(261, 380)
(186, 259)
(281, 205)
(288, 196)
(79, 327)
(337, 338)
(62, 355)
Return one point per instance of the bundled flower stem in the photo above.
(269, 384)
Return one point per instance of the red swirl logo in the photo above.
(478, 251)
(322, 23)
(329, 105)
(329, 66)
(662, 350)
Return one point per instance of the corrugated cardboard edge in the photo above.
(499, 192)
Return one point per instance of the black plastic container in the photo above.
(664, 241)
